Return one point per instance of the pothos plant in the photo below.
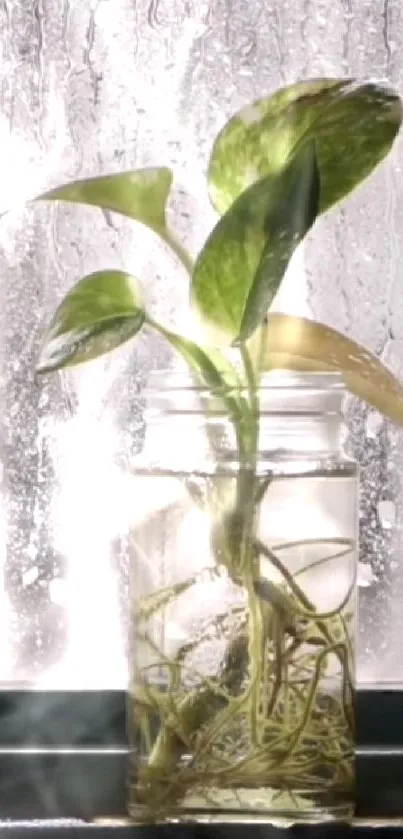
(274, 169)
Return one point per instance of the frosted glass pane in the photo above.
(98, 86)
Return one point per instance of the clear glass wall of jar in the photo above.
(243, 597)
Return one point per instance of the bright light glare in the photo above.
(90, 513)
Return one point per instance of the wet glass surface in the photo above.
(93, 87)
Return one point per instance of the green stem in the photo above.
(208, 373)
(178, 249)
(278, 638)
(309, 612)
(248, 456)
(255, 654)
(252, 428)
(261, 487)
(333, 648)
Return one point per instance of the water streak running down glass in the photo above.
(84, 89)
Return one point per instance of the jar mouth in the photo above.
(289, 392)
(167, 380)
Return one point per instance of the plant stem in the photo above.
(200, 706)
(251, 430)
(255, 653)
(309, 610)
(246, 503)
(178, 249)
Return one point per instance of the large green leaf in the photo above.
(295, 343)
(140, 195)
(240, 268)
(354, 126)
(101, 312)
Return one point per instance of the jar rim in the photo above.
(287, 392)
(166, 380)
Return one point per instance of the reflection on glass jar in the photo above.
(243, 600)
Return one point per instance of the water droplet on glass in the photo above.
(57, 591)
(373, 424)
(387, 514)
(365, 575)
(29, 577)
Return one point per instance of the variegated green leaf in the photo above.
(243, 261)
(105, 309)
(101, 312)
(354, 126)
(140, 194)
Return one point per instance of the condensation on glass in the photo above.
(242, 657)
(95, 87)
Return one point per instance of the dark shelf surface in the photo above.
(98, 718)
(75, 830)
(63, 755)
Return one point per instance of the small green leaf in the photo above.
(354, 126)
(140, 195)
(241, 266)
(101, 312)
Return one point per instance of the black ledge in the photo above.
(63, 757)
(68, 830)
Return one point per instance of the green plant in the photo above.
(274, 168)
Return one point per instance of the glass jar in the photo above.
(243, 609)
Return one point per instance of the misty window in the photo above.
(94, 87)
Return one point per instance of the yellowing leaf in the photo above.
(294, 343)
